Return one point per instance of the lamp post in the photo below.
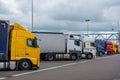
(32, 15)
(118, 26)
(87, 20)
(118, 32)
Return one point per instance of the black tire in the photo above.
(24, 65)
(100, 54)
(42, 57)
(73, 57)
(50, 57)
(114, 52)
(89, 56)
(108, 53)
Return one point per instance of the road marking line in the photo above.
(60, 66)
(2, 78)
(44, 69)
(51, 68)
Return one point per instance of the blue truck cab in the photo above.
(100, 47)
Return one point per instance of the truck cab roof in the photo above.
(17, 26)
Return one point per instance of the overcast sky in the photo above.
(63, 15)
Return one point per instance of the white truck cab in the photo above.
(74, 46)
(89, 50)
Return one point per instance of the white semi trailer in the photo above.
(59, 45)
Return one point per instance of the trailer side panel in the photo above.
(51, 42)
(3, 40)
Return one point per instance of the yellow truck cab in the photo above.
(115, 47)
(23, 52)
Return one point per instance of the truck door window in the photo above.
(77, 42)
(32, 42)
(92, 44)
(29, 42)
(86, 44)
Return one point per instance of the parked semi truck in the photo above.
(109, 47)
(119, 48)
(115, 47)
(18, 47)
(88, 47)
(100, 47)
(59, 45)
(103, 47)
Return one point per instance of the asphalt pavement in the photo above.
(102, 68)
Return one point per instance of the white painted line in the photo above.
(2, 78)
(44, 69)
(51, 68)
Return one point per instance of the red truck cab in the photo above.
(109, 48)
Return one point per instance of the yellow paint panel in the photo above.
(114, 45)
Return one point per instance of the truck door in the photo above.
(32, 51)
(89, 47)
(3, 40)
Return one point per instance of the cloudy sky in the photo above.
(63, 15)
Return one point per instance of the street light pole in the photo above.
(87, 20)
(118, 32)
(32, 15)
(118, 25)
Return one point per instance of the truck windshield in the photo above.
(77, 42)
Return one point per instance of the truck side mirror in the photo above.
(34, 43)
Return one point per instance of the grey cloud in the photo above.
(4, 9)
(65, 15)
(75, 11)
(24, 6)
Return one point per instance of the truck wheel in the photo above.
(100, 54)
(73, 57)
(108, 53)
(89, 56)
(50, 57)
(114, 52)
(42, 57)
(24, 65)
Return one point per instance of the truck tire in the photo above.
(100, 54)
(24, 65)
(108, 53)
(89, 56)
(50, 57)
(42, 57)
(73, 57)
